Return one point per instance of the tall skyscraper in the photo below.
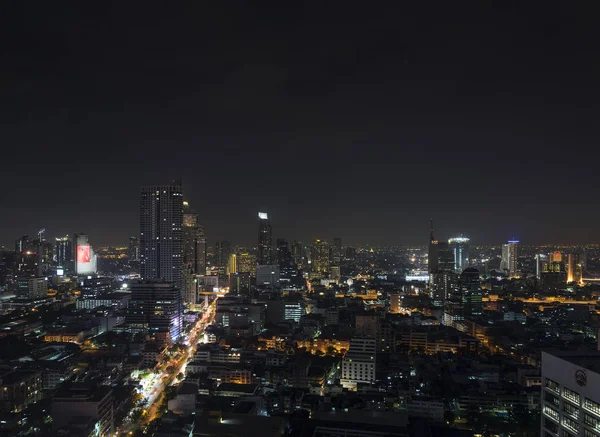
(460, 250)
(157, 306)
(288, 269)
(445, 261)
(508, 263)
(299, 254)
(336, 251)
(134, 249)
(194, 241)
(265, 243)
(471, 292)
(321, 261)
(223, 252)
(161, 232)
(541, 260)
(574, 268)
(63, 251)
(433, 251)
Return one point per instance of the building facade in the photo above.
(570, 394)
(161, 233)
(265, 243)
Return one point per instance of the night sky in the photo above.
(337, 118)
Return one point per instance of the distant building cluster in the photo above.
(174, 334)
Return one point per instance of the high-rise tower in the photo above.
(460, 250)
(265, 243)
(508, 262)
(194, 241)
(433, 251)
(161, 232)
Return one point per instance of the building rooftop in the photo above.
(85, 392)
(587, 358)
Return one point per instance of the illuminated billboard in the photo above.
(83, 254)
(85, 258)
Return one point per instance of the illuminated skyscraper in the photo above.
(541, 260)
(245, 263)
(63, 251)
(470, 287)
(460, 251)
(157, 306)
(288, 269)
(265, 243)
(194, 241)
(321, 260)
(574, 268)
(161, 232)
(445, 258)
(508, 263)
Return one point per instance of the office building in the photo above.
(574, 268)
(553, 276)
(441, 285)
(508, 263)
(161, 233)
(460, 252)
(432, 253)
(322, 257)
(246, 263)
(84, 255)
(470, 286)
(299, 253)
(268, 276)
(63, 251)
(156, 306)
(78, 404)
(95, 286)
(223, 252)
(570, 394)
(358, 366)
(32, 288)
(194, 241)
(19, 389)
(293, 310)
(265, 243)
(288, 269)
(336, 251)
(541, 260)
(445, 261)
(134, 249)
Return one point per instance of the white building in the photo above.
(359, 363)
(293, 311)
(570, 394)
(508, 263)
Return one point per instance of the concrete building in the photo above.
(32, 288)
(508, 263)
(570, 394)
(73, 404)
(161, 232)
(156, 306)
(19, 389)
(359, 363)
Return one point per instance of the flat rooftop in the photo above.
(586, 358)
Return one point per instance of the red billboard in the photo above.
(83, 254)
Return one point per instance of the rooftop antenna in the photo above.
(431, 236)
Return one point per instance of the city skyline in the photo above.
(364, 127)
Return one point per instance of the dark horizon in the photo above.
(345, 121)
